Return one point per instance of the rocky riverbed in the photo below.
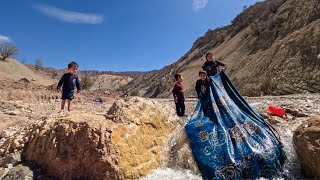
(15, 115)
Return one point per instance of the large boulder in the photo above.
(307, 143)
(130, 143)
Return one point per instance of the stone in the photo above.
(274, 120)
(5, 134)
(12, 158)
(12, 113)
(9, 166)
(3, 172)
(296, 113)
(19, 172)
(80, 146)
(306, 139)
(2, 152)
(265, 115)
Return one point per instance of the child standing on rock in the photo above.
(68, 82)
(178, 95)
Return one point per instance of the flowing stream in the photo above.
(181, 165)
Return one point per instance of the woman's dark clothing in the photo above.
(211, 67)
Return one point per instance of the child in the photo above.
(68, 82)
(178, 95)
(203, 91)
(211, 66)
(202, 85)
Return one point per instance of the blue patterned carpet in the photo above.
(232, 141)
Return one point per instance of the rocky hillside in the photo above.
(271, 48)
(12, 69)
(57, 73)
(110, 82)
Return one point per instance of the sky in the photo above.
(116, 35)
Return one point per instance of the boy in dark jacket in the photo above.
(202, 85)
(178, 95)
(203, 91)
(68, 82)
(211, 66)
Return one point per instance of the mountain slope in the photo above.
(270, 48)
(57, 73)
(12, 69)
(110, 82)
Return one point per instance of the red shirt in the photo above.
(177, 91)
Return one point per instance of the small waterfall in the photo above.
(181, 165)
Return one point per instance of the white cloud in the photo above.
(4, 38)
(69, 16)
(199, 4)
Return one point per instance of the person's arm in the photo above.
(61, 81)
(198, 89)
(78, 84)
(222, 64)
(175, 93)
(208, 79)
(204, 66)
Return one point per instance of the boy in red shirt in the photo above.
(178, 95)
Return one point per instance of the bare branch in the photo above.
(7, 50)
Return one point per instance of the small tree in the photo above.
(54, 74)
(134, 92)
(122, 89)
(7, 50)
(38, 64)
(86, 82)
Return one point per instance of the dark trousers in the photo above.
(180, 108)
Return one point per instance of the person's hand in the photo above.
(175, 100)
(58, 89)
(224, 68)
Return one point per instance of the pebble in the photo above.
(9, 166)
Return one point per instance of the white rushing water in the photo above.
(170, 174)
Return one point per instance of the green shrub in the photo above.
(86, 83)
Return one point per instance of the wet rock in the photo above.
(306, 139)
